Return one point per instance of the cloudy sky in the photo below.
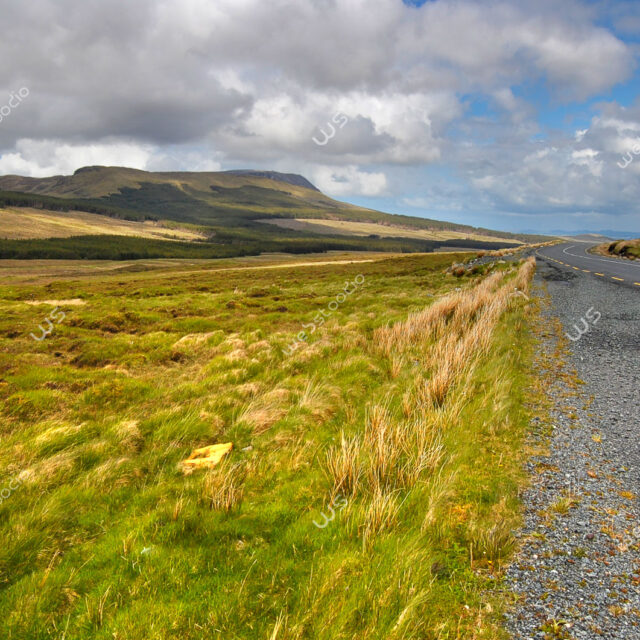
(513, 114)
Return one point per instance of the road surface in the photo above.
(578, 567)
(575, 256)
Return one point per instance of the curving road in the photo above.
(577, 567)
(575, 256)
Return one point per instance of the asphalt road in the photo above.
(578, 566)
(575, 256)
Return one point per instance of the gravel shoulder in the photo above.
(577, 574)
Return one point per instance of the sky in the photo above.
(512, 115)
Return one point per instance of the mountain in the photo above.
(607, 234)
(589, 237)
(289, 178)
(224, 207)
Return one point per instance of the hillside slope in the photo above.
(227, 198)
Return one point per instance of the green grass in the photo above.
(105, 537)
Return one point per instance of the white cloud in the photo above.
(344, 181)
(194, 84)
(41, 158)
(565, 175)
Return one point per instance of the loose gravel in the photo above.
(577, 573)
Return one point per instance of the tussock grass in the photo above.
(525, 274)
(381, 515)
(620, 248)
(223, 486)
(264, 411)
(344, 466)
(404, 413)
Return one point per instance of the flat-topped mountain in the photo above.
(226, 198)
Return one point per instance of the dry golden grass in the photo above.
(111, 473)
(454, 312)
(259, 346)
(352, 228)
(437, 387)
(393, 454)
(424, 451)
(24, 223)
(451, 334)
(396, 364)
(450, 337)
(440, 489)
(73, 302)
(384, 443)
(192, 340)
(381, 515)
(223, 487)
(248, 389)
(264, 411)
(620, 248)
(525, 274)
(52, 469)
(237, 355)
(317, 400)
(343, 462)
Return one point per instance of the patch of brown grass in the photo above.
(525, 274)
(381, 515)
(263, 412)
(223, 487)
(317, 400)
(343, 462)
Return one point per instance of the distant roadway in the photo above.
(575, 256)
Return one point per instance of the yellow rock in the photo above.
(207, 456)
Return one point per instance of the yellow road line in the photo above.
(600, 274)
(576, 268)
(637, 284)
(614, 278)
(586, 271)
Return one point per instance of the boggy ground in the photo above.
(373, 483)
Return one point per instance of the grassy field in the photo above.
(48, 271)
(351, 228)
(377, 412)
(25, 223)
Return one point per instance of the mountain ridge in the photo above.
(233, 198)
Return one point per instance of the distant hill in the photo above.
(607, 234)
(590, 237)
(232, 207)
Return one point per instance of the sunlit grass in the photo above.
(407, 403)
